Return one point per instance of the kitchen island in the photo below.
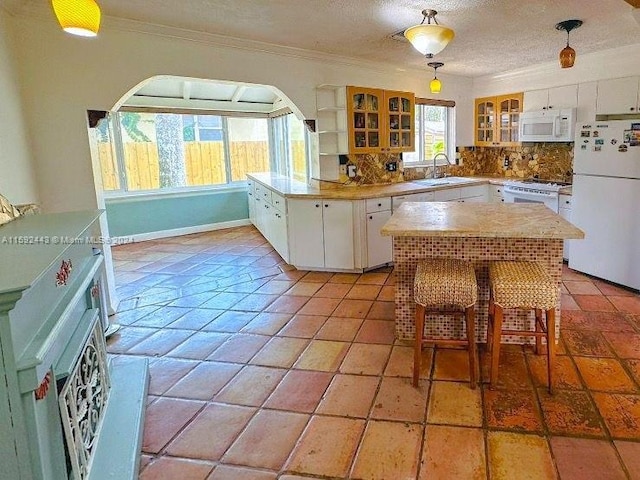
(479, 233)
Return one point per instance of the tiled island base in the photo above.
(408, 251)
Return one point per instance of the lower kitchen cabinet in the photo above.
(564, 210)
(379, 249)
(321, 234)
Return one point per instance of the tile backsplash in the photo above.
(549, 161)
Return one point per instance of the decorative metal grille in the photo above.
(83, 400)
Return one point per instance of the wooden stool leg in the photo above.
(495, 347)
(551, 345)
(538, 321)
(417, 353)
(490, 323)
(470, 314)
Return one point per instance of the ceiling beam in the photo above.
(633, 3)
(238, 93)
(186, 90)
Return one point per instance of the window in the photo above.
(155, 151)
(434, 127)
(290, 147)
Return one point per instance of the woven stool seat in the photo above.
(522, 285)
(525, 286)
(445, 286)
(445, 282)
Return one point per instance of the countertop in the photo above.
(292, 188)
(488, 220)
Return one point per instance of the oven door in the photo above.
(524, 195)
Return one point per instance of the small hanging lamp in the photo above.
(435, 85)
(430, 38)
(78, 17)
(568, 54)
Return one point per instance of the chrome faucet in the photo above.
(435, 158)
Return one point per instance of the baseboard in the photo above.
(176, 232)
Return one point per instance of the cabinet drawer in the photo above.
(265, 193)
(473, 191)
(447, 195)
(378, 204)
(278, 202)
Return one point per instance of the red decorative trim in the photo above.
(63, 274)
(43, 389)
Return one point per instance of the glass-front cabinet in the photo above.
(497, 120)
(380, 121)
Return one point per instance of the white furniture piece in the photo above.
(587, 93)
(617, 96)
(495, 194)
(555, 98)
(398, 200)
(332, 119)
(269, 215)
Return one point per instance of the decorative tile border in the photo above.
(407, 251)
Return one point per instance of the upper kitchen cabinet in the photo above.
(380, 121)
(497, 120)
(617, 96)
(551, 98)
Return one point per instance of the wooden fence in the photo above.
(204, 163)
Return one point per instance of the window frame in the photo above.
(450, 148)
(275, 165)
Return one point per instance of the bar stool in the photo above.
(527, 286)
(445, 286)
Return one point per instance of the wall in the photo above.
(17, 181)
(71, 75)
(136, 215)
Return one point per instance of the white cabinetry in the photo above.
(551, 98)
(321, 234)
(617, 96)
(269, 215)
(411, 197)
(448, 195)
(564, 210)
(379, 248)
(587, 93)
(474, 194)
(495, 194)
(251, 200)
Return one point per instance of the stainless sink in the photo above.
(440, 181)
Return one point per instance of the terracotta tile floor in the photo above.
(259, 371)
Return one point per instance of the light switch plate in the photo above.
(351, 171)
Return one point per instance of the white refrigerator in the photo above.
(606, 201)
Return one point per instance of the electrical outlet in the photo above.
(506, 162)
(351, 171)
(392, 166)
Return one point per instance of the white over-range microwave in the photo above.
(548, 125)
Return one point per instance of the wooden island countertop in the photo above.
(486, 220)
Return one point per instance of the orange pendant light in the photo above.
(568, 54)
(78, 17)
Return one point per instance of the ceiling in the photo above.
(491, 35)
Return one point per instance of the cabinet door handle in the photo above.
(550, 107)
(370, 217)
(544, 108)
(632, 109)
(326, 205)
(317, 205)
(379, 204)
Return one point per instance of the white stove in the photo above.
(533, 191)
